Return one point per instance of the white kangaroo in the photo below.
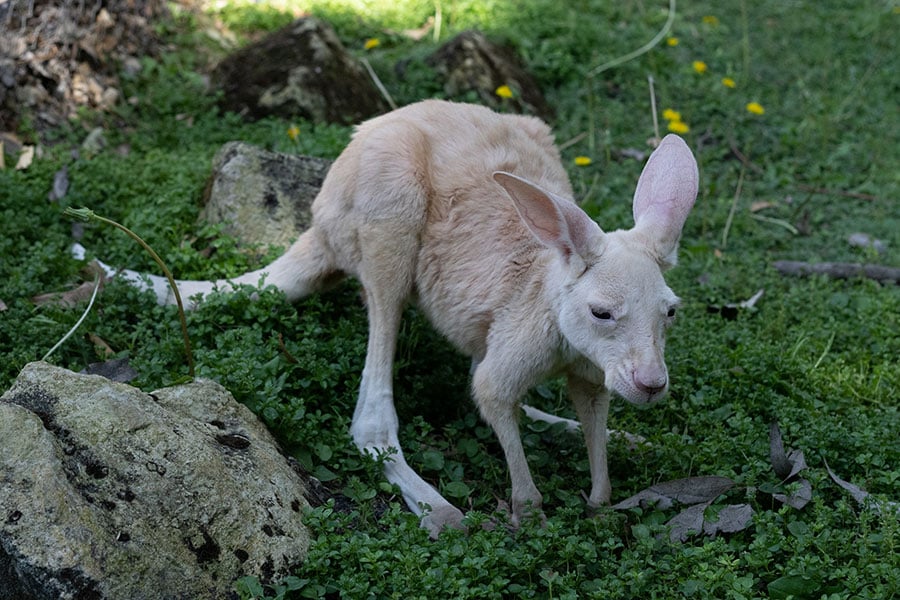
(469, 213)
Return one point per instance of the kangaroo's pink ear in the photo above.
(664, 196)
(556, 222)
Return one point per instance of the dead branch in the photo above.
(879, 273)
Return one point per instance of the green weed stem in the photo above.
(642, 50)
(86, 214)
(734, 203)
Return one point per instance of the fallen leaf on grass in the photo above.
(692, 490)
(60, 185)
(68, 299)
(788, 465)
(117, 369)
(699, 493)
(761, 205)
(687, 523)
(731, 519)
(861, 495)
(693, 520)
(799, 498)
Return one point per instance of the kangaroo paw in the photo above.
(445, 517)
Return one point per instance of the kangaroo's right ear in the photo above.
(556, 222)
(664, 196)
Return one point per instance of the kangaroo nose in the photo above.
(650, 381)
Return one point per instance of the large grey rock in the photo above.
(107, 492)
(303, 70)
(262, 197)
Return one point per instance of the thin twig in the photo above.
(745, 160)
(378, 84)
(653, 109)
(827, 192)
(737, 196)
(643, 49)
(97, 280)
(573, 141)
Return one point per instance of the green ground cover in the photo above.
(791, 109)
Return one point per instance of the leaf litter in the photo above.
(698, 495)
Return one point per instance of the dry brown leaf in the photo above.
(116, 369)
(731, 519)
(692, 490)
(798, 499)
(692, 520)
(862, 496)
(68, 299)
(786, 466)
(101, 345)
(761, 205)
(687, 523)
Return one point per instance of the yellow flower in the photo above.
(678, 127)
(671, 115)
(504, 91)
(672, 41)
(700, 66)
(756, 108)
(372, 43)
(583, 161)
(711, 20)
(293, 131)
(728, 82)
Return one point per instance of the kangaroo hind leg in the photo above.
(386, 272)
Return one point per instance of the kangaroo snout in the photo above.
(650, 380)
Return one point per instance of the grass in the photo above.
(817, 355)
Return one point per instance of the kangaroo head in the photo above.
(613, 305)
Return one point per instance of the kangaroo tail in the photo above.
(307, 267)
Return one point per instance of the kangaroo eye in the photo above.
(603, 315)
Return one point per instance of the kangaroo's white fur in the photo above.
(469, 213)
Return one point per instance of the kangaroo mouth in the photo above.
(640, 396)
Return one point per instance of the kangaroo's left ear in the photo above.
(664, 196)
(556, 222)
